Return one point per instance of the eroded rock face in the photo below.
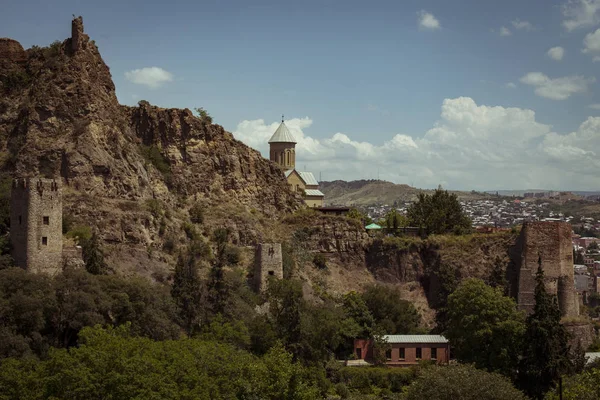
(207, 161)
(60, 117)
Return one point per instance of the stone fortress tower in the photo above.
(283, 147)
(548, 243)
(36, 225)
(268, 264)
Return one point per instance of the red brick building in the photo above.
(407, 350)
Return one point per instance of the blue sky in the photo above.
(372, 72)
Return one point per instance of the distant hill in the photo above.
(367, 192)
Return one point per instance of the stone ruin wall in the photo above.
(36, 225)
(550, 241)
(12, 51)
(268, 261)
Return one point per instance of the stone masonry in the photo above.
(548, 243)
(11, 51)
(268, 264)
(36, 225)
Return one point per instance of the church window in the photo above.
(20, 219)
(44, 240)
(288, 158)
(46, 220)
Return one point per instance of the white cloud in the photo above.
(152, 77)
(595, 106)
(556, 53)
(511, 85)
(522, 25)
(581, 14)
(591, 44)
(558, 88)
(504, 31)
(470, 146)
(428, 21)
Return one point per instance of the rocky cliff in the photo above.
(123, 167)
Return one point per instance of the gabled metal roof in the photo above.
(308, 178)
(282, 135)
(415, 339)
(313, 192)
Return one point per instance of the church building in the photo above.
(283, 152)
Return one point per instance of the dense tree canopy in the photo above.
(461, 382)
(484, 327)
(392, 314)
(110, 363)
(438, 213)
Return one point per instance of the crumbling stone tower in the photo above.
(36, 225)
(548, 243)
(268, 264)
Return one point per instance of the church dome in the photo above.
(282, 135)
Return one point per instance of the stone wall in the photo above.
(550, 244)
(268, 264)
(11, 50)
(36, 225)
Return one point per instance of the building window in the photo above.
(419, 353)
(46, 220)
(288, 158)
(20, 219)
(272, 273)
(44, 241)
(388, 355)
(402, 353)
(434, 353)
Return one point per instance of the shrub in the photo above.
(80, 233)
(155, 207)
(342, 390)
(320, 261)
(461, 382)
(190, 231)
(196, 214)
(204, 115)
(154, 156)
(364, 379)
(15, 80)
(169, 245)
(233, 255)
(67, 223)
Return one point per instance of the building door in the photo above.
(359, 353)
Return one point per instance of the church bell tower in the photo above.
(283, 147)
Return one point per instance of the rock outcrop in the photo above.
(59, 117)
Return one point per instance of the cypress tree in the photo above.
(546, 352)
(187, 291)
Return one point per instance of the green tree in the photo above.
(218, 290)
(204, 115)
(583, 386)
(356, 214)
(395, 220)
(497, 277)
(438, 213)
(484, 327)
(188, 292)
(93, 256)
(578, 257)
(392, 314)
(285, 306)
(463, 382)
(546, 352)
